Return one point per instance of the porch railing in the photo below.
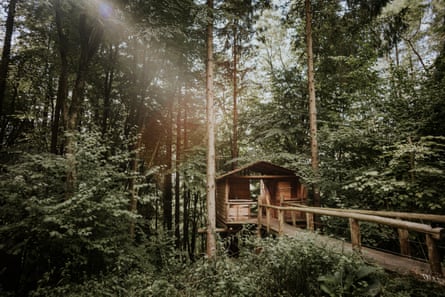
(432, 235)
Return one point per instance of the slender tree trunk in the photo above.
(167, 199)
(49, 92)
(134, 165)
(91, 36)
(194, 226)
(413, 48)
(156, 208)
(235, 98)
(62, 86)
(108, 84)
(312, 104)
(177, 175)
(186, 212)
(6, 53)
(211, 166)
(185, 222)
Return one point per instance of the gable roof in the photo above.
(261, 167)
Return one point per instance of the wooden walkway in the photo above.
(391, 262)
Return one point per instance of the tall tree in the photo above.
(90, 32)
(62, 86)
(233, 29)
(6, 52)
(177, 174)
(312, 103)
(211, 166)
(168, 193)
(235, 96)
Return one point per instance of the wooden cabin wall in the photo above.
(301, 192)
(284, 190)
(271, 188)
(221, 207)
(239, 189)
(288, 189)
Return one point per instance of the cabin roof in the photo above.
(261, 167)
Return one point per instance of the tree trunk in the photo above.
(195, 212)
(185, 222)
(177, 175)
(4, 66)
(134, 164)
(312, 104)
(62, 89)
(6, 55)
(49, 92)
(235, 98)
(91, 36)
(167, 199)
(211, 166)
(108, 84)
(187, 194)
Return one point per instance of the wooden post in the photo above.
(433, 256)
(405, 248)
(310, 221)
(226, 198)
(280, 221)
(268, 219)
(294, 218)
(260, 216)
(355, 234)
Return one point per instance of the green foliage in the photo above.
(269, 267)
(410, 177)
(293, 267)
(56, 239)
(405, 286)
(352, 280)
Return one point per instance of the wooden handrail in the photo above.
(432, 234)
(383, 213)
(436, 233)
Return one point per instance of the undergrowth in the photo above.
(264, 267)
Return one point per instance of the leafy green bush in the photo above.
(48, 238)
(276, 267)
(351, 280)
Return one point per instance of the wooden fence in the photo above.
(392, 219)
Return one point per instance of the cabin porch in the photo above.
(240, 191)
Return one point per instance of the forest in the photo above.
(106, 127)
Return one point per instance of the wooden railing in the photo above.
(432, 235)
(239, 209)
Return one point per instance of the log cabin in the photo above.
(239, 191)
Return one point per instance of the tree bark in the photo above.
(211, 166)
(187, 192)
(235, 98)
(62, 86)
(312, 104)
(177, 175)
(91, 36)
(108, 83)
(6, 53)
(134, 164)
(167, 199)
(194, 232)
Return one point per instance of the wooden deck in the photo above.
(391, 262)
